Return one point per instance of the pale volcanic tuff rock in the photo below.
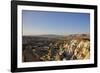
(71, 47)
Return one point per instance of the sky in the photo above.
(59, 23)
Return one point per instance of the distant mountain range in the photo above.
(51, 36)
(62, 36)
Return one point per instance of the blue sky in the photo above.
(59, 23)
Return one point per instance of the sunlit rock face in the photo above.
(72, 47)
(82, 50)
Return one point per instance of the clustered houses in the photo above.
(56, 50)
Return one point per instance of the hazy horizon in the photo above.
(56, 34)
(54, 23)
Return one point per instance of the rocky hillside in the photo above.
(71, 47)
